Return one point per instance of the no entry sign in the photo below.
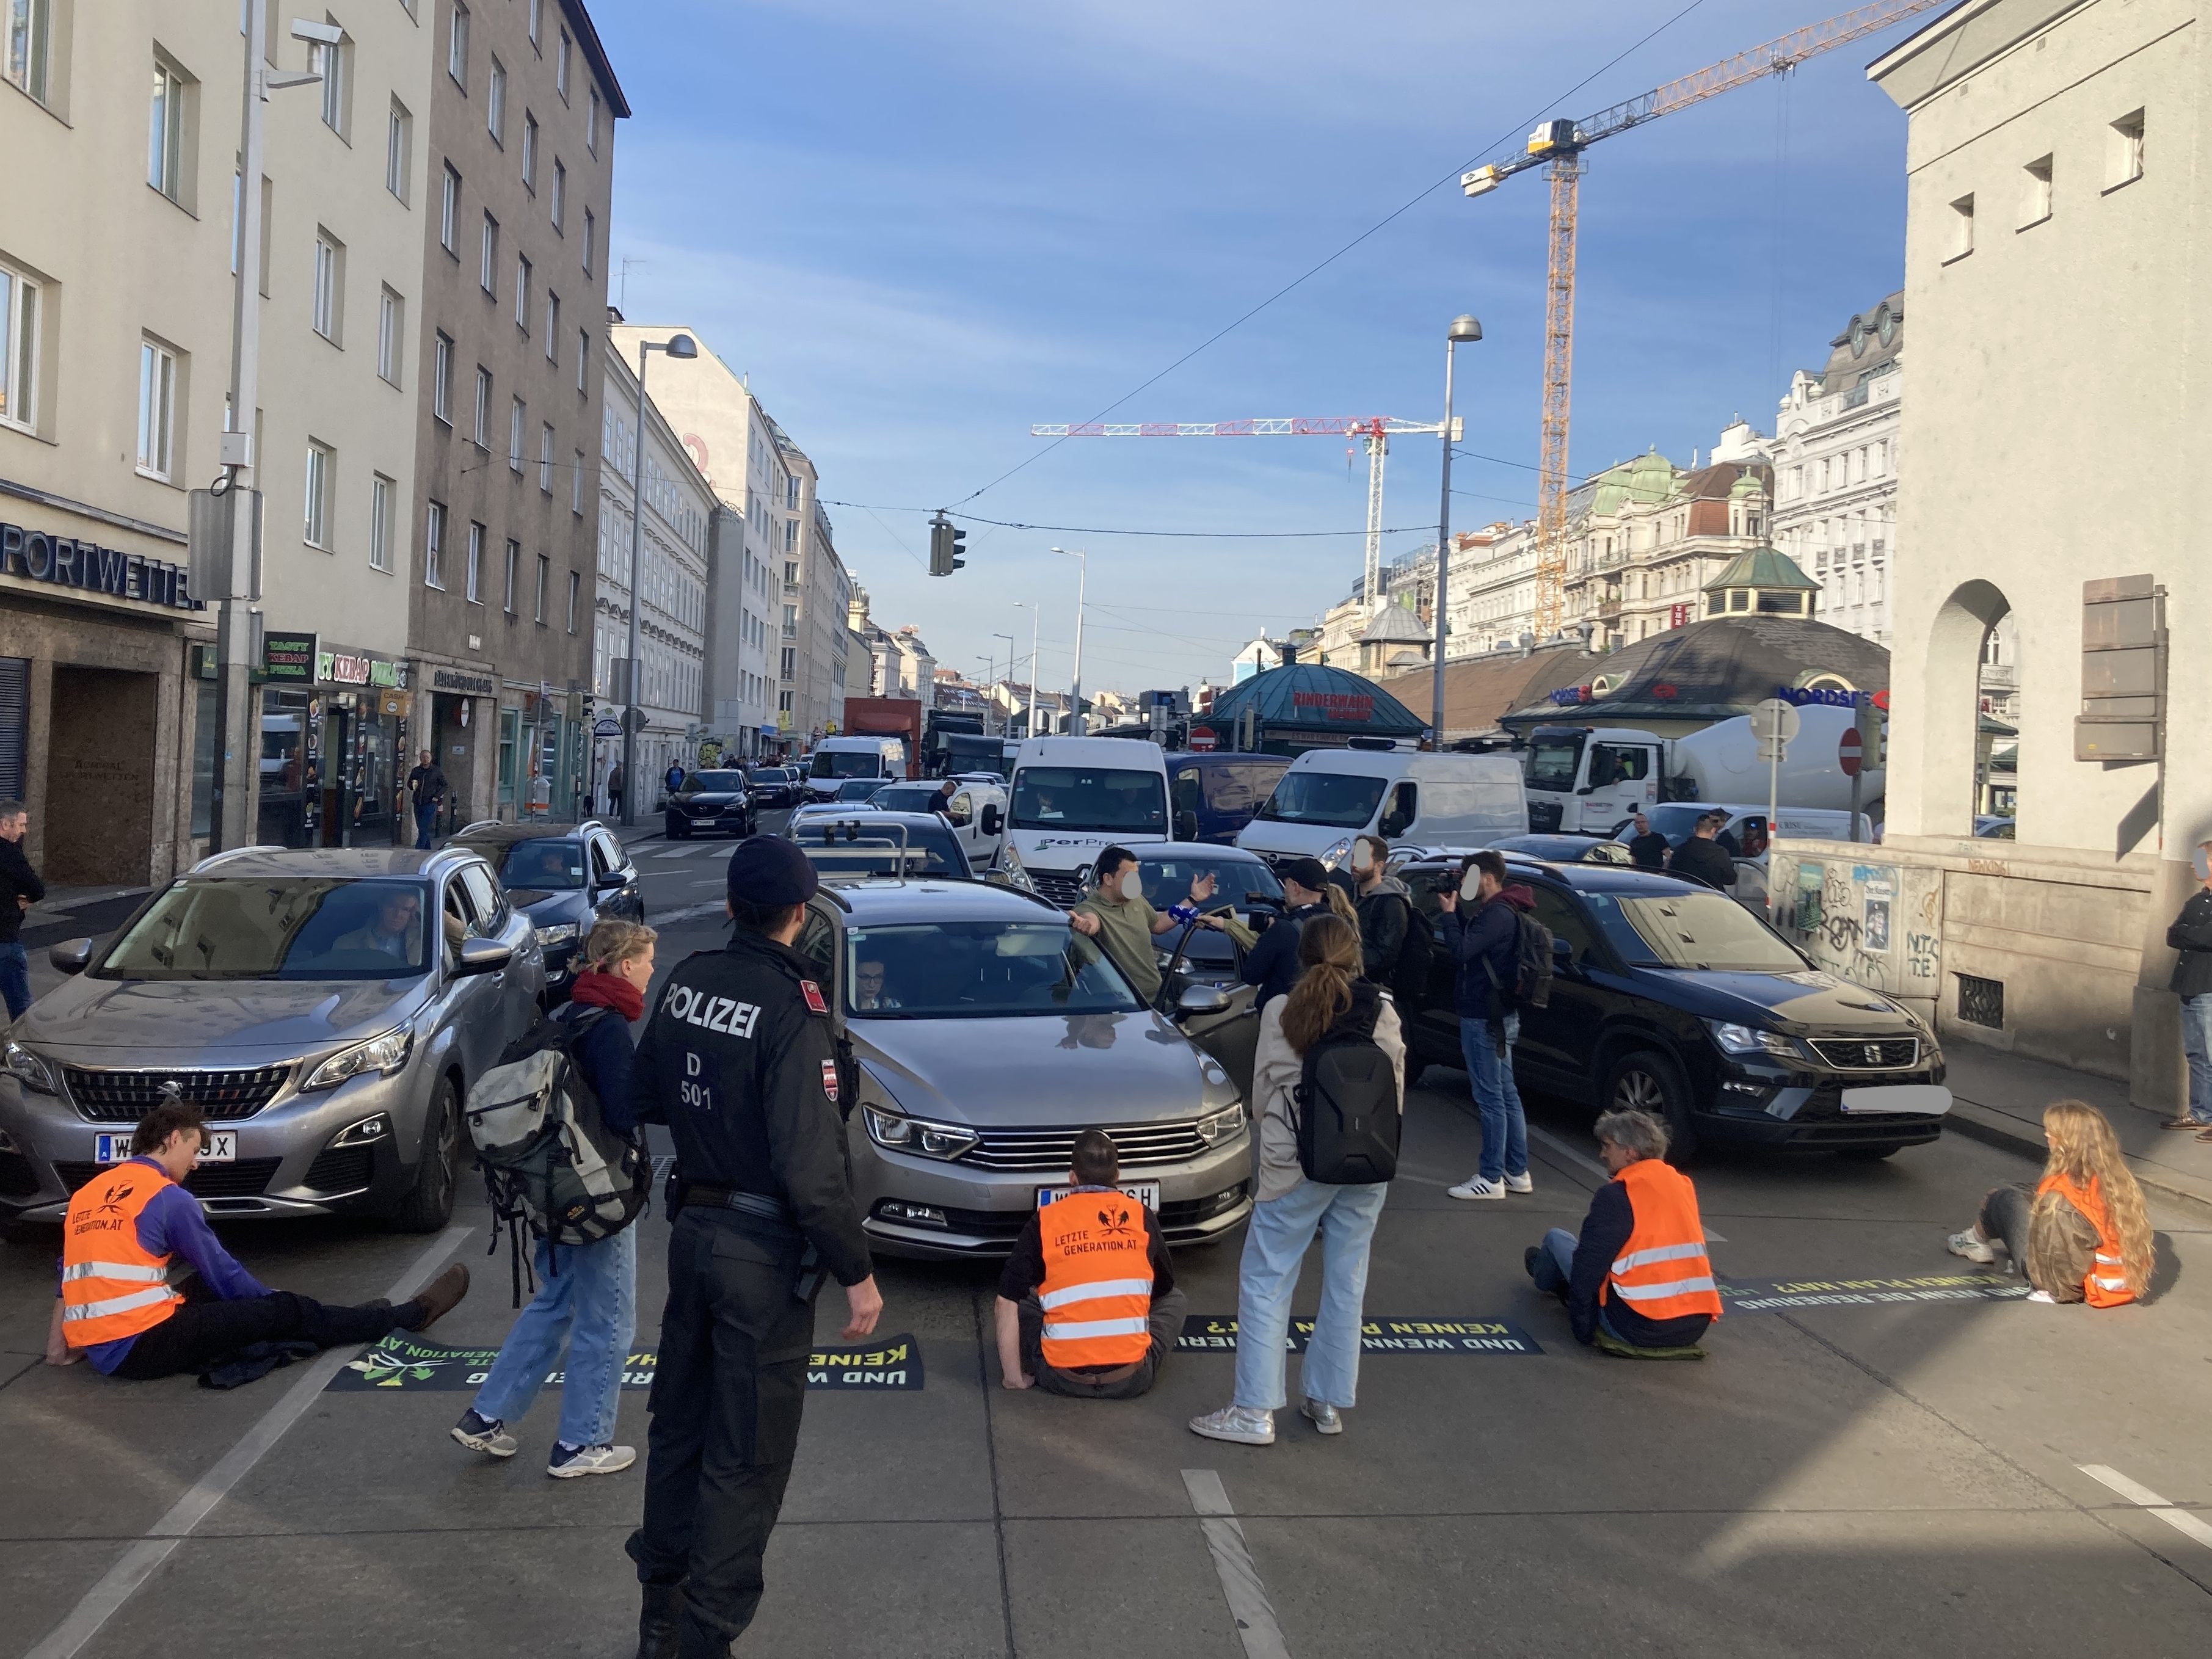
(1202, 738)
(1848, 752)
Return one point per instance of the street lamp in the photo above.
(1028, 717)
(681, 348)
(1463, 328)
(1075, 722)
(988, 664)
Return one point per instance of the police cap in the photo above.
(770, 872)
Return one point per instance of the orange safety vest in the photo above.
(1663, 1271)
(2107, 1286)
(112, 1286)
(1098, 1289)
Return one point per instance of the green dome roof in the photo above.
(1763, 567)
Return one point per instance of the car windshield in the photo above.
(1236, 880)
(1098, 798)
(980, 970)
(857, 847)
(858, 789)
(275, 928)
(1332, 800)
(1551, 762)
(847, 763)
(1676, 820)
(713, 783)
(549, 864)
(904, 797)
(1691, 930)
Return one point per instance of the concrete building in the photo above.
(518, 137)
(890, 662)
(1640, 554)
(1490, 601)
(2056, 148)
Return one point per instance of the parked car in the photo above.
(711, 803)
(977, 812)
(564, 877)
(772, 785)
(327, 1011)
(986, 1035)
(1675, 999)
(1993, 828)
(873, 843)
(1215, 795)
(1565, 849)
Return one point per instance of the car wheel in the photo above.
(1644, 1080)
(429, 1203)
(1871, 1154)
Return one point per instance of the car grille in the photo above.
(1859, 1054)
(125, 1096)
(1061, 887)
(342, 1170)
(1050, 1151)
(1543, 817)
(247, 1178)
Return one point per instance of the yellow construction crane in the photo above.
(1559, 146)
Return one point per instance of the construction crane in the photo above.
(1375, 431)
(1557, 146)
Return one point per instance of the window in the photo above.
(576, 485)
(330, 284)
(575, 599)
(475, 563)
(2035, 198)
(561, 69)
(514, 572)
(441, 378)
(552, 328)
(488, 271)
(2125, 166)
(583, 356)
(1962, 228)
(449, 212)
(19, 349)
(165, 149)
(157, 410)
(483, 407)
(391, 332)
(522, 293)
(591, 133)
(517, 418)
(398, 151)
(320, 464)
(30, 27)
(590, 239)
(381, 493)
(536, 21)
(496, 104)
(457, 47)
(560, 192)
(335, 63)
(434, 546)
(545, 457)
(544, 577)
(530, 152)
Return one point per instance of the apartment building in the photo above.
(508, 374)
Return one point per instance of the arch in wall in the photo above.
(1953, 685)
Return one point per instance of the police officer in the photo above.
(738, 1062)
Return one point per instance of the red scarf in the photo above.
(597, 990)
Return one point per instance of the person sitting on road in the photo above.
(1087, 1303)
(1273, 962)
(1637, 1281)
(1120, 917)
(124, 1228)
(1647, 847)
(586, 1299)
(1702, 858)
(869, 996)
(2081, 1234)
(1384, 911)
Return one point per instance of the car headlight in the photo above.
(914, 1134)
(559, 934)
(382, 1054)
(1749, 1040)
(1010, 865)
(1338, 850)
(30, 1070)
(1220, 1128)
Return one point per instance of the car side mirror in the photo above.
(71, 955)
(1201, 999)
(995, 821)
(1562, 951)
(482, 955)
(1186, 825)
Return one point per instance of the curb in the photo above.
(1992, 1128)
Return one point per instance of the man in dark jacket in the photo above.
(19, 888)
(2191, 935)
(1483, 926)
(1702, 858)
(1272, 963)
(1647, 847)
(1386, 911)
(427, 783)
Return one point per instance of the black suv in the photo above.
(711, 803)
(1675, 999)
(563, 877)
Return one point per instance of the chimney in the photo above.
(1288, 651)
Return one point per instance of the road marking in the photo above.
(1593, 1166)
(139, 1562)
(690, 851)
(2190, 1526)
(1240, 1579)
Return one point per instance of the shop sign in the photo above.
(64, 562)
(289, 659)
(1829, 695)
(456, 680)
(355, 668)
(1334, 705)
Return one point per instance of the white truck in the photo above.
(1589, 778)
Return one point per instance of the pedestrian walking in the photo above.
(673, 780)
(1485, 937)
(19, 888)
(1329, 999)
(1704, 858)
(2082, 1234)
(615, 791)
(739, 1062)
(586, 1300)
(427, 784)
(2191, 935)
(1647, 847)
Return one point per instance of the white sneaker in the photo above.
(1323, 1416)
(567, 1462)
(1475, 1187)
(1970, 1245)
(1245, 1425)
(1523, 1183)
(2043, 1297)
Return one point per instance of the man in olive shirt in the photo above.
(1119, 916)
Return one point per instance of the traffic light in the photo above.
(947, 542)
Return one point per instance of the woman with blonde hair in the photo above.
(2082, 1234)
(1330, 999)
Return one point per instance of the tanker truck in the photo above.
(1589, 778)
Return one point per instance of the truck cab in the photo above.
(837, 760)
(1586, 779)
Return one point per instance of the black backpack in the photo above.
(1532, 965)
(1347, 1109)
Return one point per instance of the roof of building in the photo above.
(1765, 567)
(1309, 696)
(587, 37)
(1392, 624)
(1478, 690)
(1713, 670)
(1650, 477)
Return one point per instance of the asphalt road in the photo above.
(1895, 1478)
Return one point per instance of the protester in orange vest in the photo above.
(1087, 1303)
(1636, 1280)
(2081, 1234)
(127, 1225)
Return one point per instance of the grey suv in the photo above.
(326, 1011)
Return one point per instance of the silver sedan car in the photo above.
(983, 1034)
(326, 1011)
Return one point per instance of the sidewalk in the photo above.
(1999, 1098)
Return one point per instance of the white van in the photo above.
(1330, 796)
(838, 760)
(1072, 799)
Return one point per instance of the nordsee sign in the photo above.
(65, 562)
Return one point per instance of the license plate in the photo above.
(1920, 1099)
(1146, 1193)
(113, 1148)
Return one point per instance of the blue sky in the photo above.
(921, 228)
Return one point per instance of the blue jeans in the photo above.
(15, 978)
(2195, 1043)
(590, 1308)
(1553, 1268)
(426, 814)
(1505, 1127)
(1275, 1245)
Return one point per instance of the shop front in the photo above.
(543, 763)
(335, 729)
(464, 707)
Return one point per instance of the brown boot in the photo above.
(440, 1296)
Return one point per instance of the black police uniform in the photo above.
(739, 1062)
